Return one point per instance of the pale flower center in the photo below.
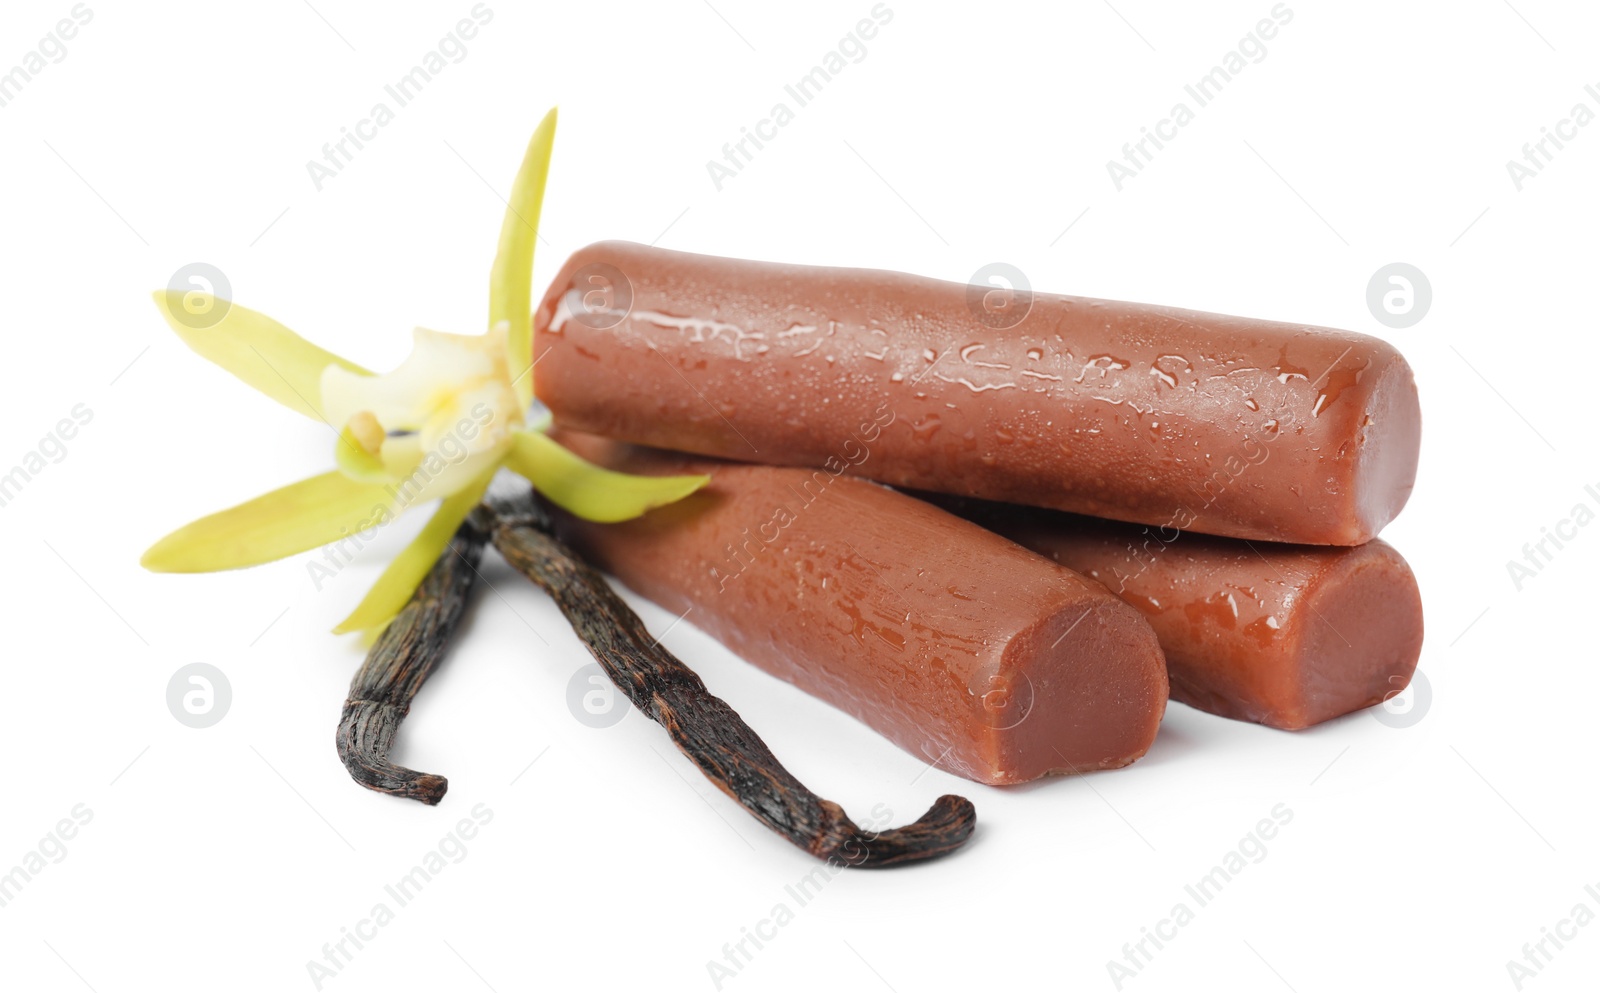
(437, 421)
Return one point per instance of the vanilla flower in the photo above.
(437, 427)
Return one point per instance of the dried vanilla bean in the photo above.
(703, 727)
(399, 663)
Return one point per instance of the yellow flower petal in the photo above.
(389, 594)
(293, 519)
(587, 490)
(254, 347)
(511, 279)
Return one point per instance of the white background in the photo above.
(1421, 857)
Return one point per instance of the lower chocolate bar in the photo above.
(1283, 635)
(963, 648)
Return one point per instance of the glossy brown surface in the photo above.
(961, 647)
(1284, 635)
(1139, 413)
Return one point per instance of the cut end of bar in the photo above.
(1083, 690)
(1362, 635)
(1391, 437)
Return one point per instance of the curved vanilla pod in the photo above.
(400, 661)
(703, 727)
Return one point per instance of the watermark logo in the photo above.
(1252, 849)
(452, 849)
(1552, 540)
(1142, 554)
(1399, 295)
(452, 49)
(452, 449)
(52, 449)
(851, 50)
(1405, 705)
(593, 698)
(1553, 940)
(737, 954)
(754, 542)
(999, 295)
(199, 695)
(1003, 699)
(1251, 50)
(51, 50)
(51, 850)
(199, 296)
(601, 296)
(1552, 141)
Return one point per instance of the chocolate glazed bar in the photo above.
(1246, 428)
(1283, 635)
(963, 648)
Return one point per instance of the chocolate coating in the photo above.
(1225, 425)
(958, 645)
(1283, 635)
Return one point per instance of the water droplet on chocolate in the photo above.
(926, 428)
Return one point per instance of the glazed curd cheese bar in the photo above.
(1154, 415)
(1283, 635)
(965, 649)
